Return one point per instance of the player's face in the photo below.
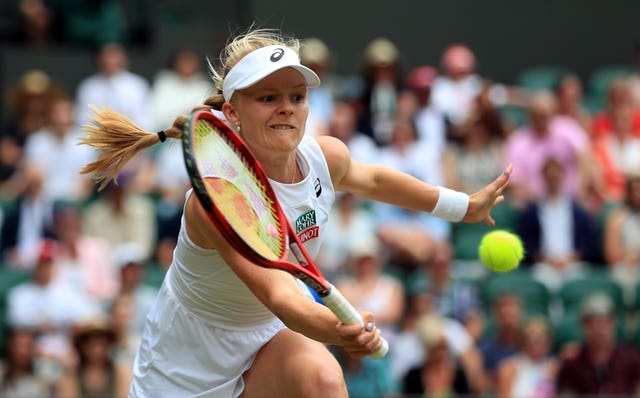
(272, 113)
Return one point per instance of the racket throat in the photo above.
(316, 286)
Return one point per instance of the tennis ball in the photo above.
(501, 250)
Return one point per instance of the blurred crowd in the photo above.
(81, 267)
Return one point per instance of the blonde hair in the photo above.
(118, 139)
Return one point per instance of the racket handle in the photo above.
(346, 313)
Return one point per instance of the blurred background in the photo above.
(448, 91)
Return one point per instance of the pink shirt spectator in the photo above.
(528, 151)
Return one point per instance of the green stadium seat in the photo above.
(535, 296)
(572, 292)
(9, 277)
(541, 77)
(601, 78)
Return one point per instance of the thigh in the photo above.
(292, 365)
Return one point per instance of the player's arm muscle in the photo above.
(276, 289)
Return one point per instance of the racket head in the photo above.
(237, 196)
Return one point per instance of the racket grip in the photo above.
(346, 313)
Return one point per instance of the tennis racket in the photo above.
(238, 198)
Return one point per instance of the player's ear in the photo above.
(230, 114)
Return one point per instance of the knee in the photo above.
(324, 378)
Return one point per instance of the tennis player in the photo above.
(221, 326)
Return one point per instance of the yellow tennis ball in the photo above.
(501, 250)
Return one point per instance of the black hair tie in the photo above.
(162, 135)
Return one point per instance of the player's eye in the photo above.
(268, 98)
(297, 98)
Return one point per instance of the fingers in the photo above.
(360, 340)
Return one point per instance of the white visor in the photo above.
(259, 64)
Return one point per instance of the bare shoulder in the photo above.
(337, 155)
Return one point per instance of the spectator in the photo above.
(349, 223)
(315, 54)
(441, 373)
(600, 367)
(176, 88)
(37, 26)
(48, 308)
(530, 372)
(115, 87)
(54, 149)
(475, 156)
(454, 92)
(82, 262)
(430, 122)
(343, 126)
(557, 232)
(569, 99)
(503, 341)
(617, 153)
(618, 97)
(410, 235)
(29, 105)
(27, 220)
(622, 238)
(19, 375)
(547, 135)
(368, 288)
(95, 373)
(382, 74)
(452, 298)
(367, 378)
(120, 215)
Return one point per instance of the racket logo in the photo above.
(277, 55)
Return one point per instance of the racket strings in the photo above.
(237, 192)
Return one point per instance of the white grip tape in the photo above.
(347, 314)
(451, 205)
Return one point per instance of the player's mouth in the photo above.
(282, 127)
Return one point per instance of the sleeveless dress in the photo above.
(206, 326)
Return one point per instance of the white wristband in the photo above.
(452, 205)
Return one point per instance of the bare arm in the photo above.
(386, 185)
(279, 292)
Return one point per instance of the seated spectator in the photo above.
(29, 102)
(530, 372)
(622, 238)
(600, 367)
(382, 75)
(441, 373)
(27, 220)
(82, 262)
(557, 232)
(49, 308)
(316, 55)
(617, 153)
(430, 122)
(115, 87)
(475, 156)
(409, 234)
(343, 126)
(368, 288)
(367, 377)
(503, 341)
(176, 89)
(547, 135)
(20, 377)
(569, 98)
(55, 150)
(452, 298)
(120, 215)
(95, 374)
(618, 97)
(348, 224)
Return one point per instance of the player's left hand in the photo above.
(481, 202)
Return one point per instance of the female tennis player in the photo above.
(221, 326)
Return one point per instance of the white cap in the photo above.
(259, 64)
(128, 253)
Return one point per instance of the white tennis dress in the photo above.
(206, 326)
